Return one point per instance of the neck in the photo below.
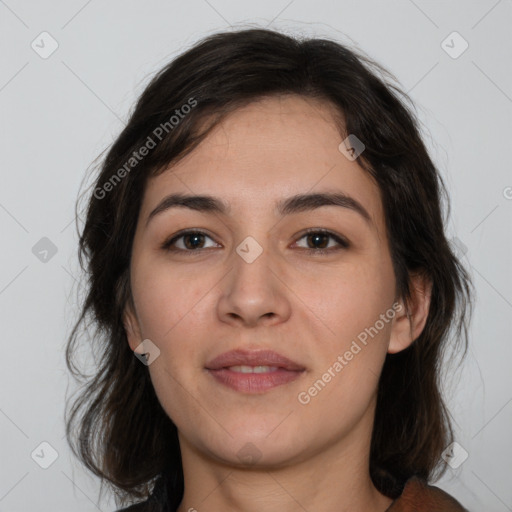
(336, 478)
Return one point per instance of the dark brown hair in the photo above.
(123, 434)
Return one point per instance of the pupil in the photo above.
(317, 236)
(198, 238)
(195, 237)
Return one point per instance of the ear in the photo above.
(132, 327)
(411, 317)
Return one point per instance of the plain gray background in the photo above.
(58, 113)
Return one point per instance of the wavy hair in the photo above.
(116, 425)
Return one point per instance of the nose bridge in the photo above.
(252, 258)
(252, 290)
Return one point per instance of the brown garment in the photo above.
(418, 496)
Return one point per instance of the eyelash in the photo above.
(343, 243)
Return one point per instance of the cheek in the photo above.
(173, 307)
(170, 307)
(351, 355)
(347, 299)
(165, 297)
(351, 338)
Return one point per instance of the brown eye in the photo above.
(188, 241)
(193, 240)
(318, 241)
(318, 238)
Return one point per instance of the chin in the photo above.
(258, 450)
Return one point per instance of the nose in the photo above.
(254, 292)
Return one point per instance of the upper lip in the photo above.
(241, 357)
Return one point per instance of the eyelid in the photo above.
(342, 242)
(167, 244)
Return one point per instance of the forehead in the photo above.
(268, 150)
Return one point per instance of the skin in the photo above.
(305, 306)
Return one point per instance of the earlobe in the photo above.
(411, 317)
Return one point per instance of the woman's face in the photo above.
(253, 281)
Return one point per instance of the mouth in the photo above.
(253, 371)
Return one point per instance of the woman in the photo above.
(266, 237)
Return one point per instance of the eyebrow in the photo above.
(294, 204)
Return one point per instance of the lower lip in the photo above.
(254, 382)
